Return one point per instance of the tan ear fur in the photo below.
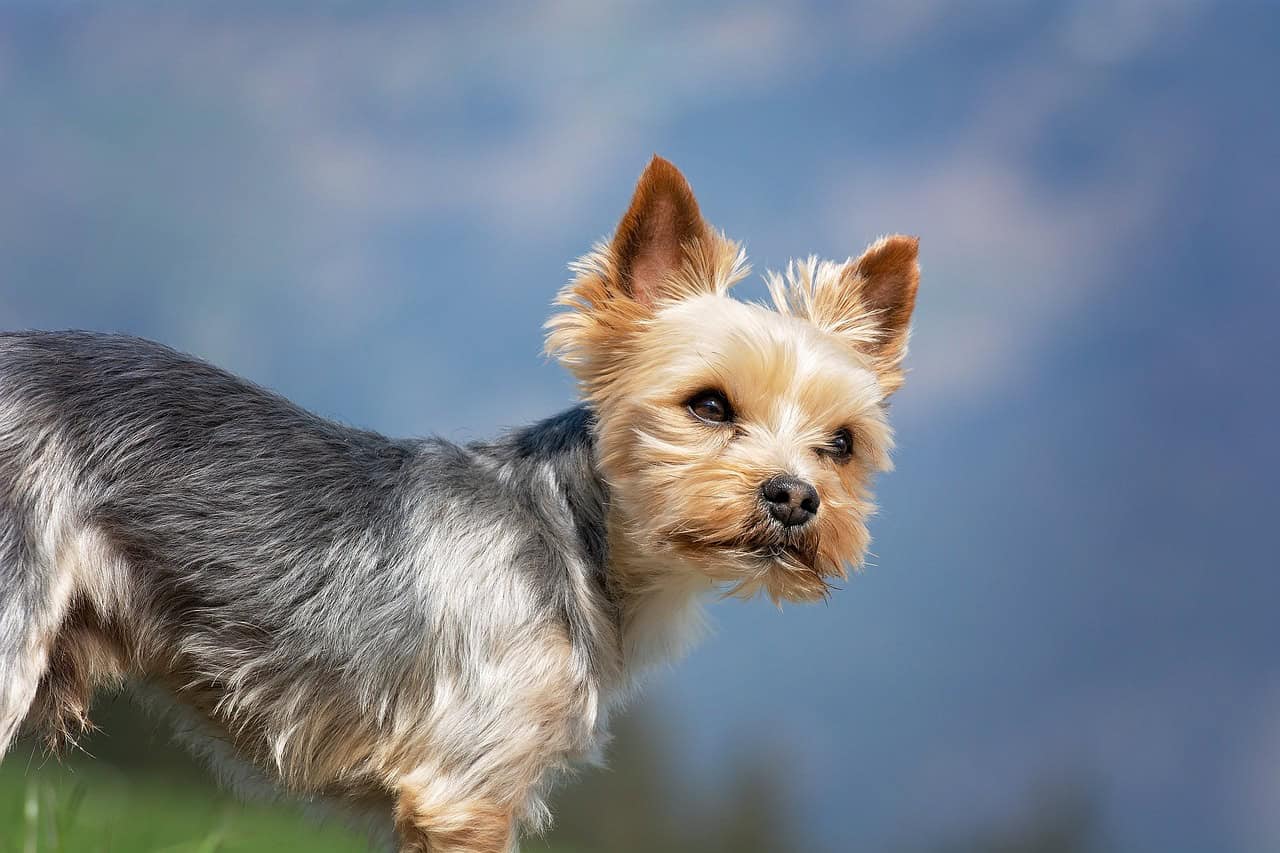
(650, 242)
(885, 279)
(662, 251)
(866, 302)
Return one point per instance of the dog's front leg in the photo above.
(432, 819)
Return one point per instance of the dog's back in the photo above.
(309, 589)
(129, 473)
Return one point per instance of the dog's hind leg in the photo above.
(33, 600)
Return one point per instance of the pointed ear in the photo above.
(662, 251)
(885, 279)
(649, 244)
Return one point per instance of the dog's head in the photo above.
(737, 439)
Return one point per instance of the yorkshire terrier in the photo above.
(430, 629)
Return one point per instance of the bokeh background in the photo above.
(1068, 636)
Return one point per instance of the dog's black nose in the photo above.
(790, 499)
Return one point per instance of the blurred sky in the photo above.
(369, 209)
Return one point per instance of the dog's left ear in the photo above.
(884, 281)
(660, 227)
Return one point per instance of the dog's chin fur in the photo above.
(782, 565)
(782, 573)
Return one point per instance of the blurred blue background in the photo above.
(1075, 583)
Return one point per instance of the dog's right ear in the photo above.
(662, 251)
(652, 242)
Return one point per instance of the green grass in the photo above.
(86, 809)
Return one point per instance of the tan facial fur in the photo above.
(650, 324)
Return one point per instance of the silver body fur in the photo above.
(345, 608)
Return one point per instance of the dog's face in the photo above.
(738, 440)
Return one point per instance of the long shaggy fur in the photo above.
(320, 594)
(420, 627)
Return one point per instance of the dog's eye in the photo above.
(841, 446)
(710, 406)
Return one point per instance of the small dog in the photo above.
(433, 629)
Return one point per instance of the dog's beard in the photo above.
(762, 556)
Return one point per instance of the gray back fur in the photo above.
(269, 546)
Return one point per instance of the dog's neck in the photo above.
(660, 603)
(654, 603)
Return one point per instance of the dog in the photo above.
(434, 630)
